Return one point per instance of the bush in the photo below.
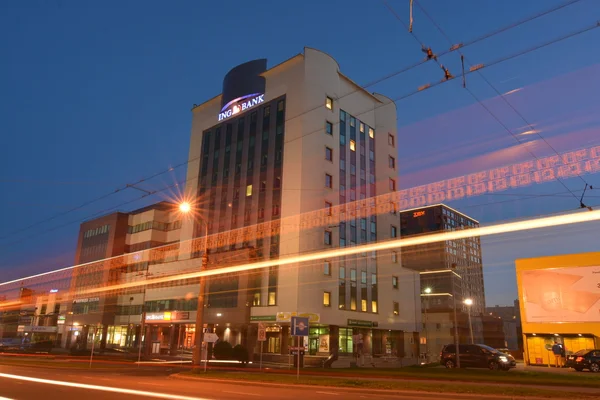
(240, 353)
(222, 351)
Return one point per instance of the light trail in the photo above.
(530, 224)
(101, 388)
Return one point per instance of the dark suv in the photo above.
(476, 356)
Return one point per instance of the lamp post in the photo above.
(469, 303)
(456, 338)
(186, 208)
(128, 341)
(427, 293)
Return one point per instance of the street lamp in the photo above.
(427, 291)
(186, 208)
(469, 303)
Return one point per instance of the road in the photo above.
(25, 383)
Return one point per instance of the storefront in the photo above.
(559, 299)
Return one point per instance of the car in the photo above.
(584, 359)
(476, 356)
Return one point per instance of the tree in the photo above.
(240, 353)
(223, 351)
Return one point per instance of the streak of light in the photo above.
(101, 388)
(530, 224)
(513, 91)
(530, 132)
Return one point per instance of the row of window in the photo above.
(156, 225)
(97, 231)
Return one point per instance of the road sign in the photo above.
(262, 332)
(299, 326)
(210, 337)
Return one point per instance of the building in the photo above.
(298, 138)
(450, 272)
(511, 316)
(559, 299)
(285, 161)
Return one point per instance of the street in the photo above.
(53, 384)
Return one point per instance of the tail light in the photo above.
(579, 359)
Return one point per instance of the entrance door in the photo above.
(313, 346)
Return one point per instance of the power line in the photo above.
(449, 77)
(439, 28)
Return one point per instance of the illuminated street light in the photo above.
(185, 207)
(469, 303)
(427, 290)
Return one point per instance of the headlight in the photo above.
(503, 359)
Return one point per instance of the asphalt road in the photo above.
(54, 384)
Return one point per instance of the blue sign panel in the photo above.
(299, 326)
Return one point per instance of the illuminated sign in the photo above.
(240, 104)
(418, 214)
(90, 300)
(53, 290)
(168, 316)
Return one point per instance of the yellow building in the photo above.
(560, 301)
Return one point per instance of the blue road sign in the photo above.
(299, 326)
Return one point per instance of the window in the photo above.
(392, 162)
(396, 308)
(392, 185)
(275, 209)
(394, 257)
(372, 133)
(248, 190)
(363, 305)
(328, 153)
(391, 140)
(353, 275)
(329, 103)
(363, 277)
(266, 111)
(272, 298)
(361, 127)
(329, 128)
(328, 238)
(394, 231)
(352, 145)
(327, 299)
(328, 181)
(280, 105)
(327, 268)
(328, 206)
(263, 186)
(395, 282)
(261, 213)
(374, 306)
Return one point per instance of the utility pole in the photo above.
(197, 354)
(456, 339)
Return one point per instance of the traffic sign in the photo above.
(262, 332)
(210, 337)
(299, 326)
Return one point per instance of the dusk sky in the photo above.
(96, 95)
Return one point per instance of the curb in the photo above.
(181, 376)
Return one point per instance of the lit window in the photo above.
(374, 306)
(392, 184)
(327, 268)
(248, 190)
(363, 305)
(328, 153)
(372, 133)
(352, 145)
(395, 282)
(329, 103)
(392, 162)
(329, 128)
(396, 308)
(361, 127)
(391, 140)
(280, 105)
(272, 298)
(328, 181)
(327, 299)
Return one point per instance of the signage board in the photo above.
(40, 329)
(61, 320)
(88, 300)
(361, 323)
(262, 332)
(168, 316)
(299, 326)
(287, 317)
(567, 294)
(210, 337)
(241, 104)
(255, 318)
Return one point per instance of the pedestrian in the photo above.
(558, 351)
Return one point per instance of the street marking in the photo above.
(242, 393)
(150, 383)
(331, 393)
(101, 388)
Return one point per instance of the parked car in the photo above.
(584, 359)
(476, 356)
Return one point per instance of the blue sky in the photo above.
(98, 95)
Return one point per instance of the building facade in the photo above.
(559, 299)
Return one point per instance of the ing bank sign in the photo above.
(240, 104)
